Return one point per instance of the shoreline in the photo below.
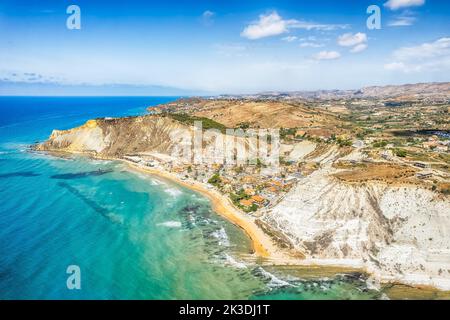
(263, 245)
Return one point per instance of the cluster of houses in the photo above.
(179, 106)
(437, 145)
(262, 187)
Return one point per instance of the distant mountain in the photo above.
(433, 90)
(418, 90)
(15, 88)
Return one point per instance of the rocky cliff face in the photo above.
(397, 232)
(115, 137)
(131, 135)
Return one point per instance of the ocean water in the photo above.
(133, 236)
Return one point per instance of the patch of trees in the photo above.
(189, 120)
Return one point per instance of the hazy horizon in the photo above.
(165, 91)
(209, 48)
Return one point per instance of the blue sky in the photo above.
(222, 46)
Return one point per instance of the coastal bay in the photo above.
(134, 236)
(314, 214)
(158, 235)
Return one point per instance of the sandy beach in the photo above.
(270, 253)
(371, 228)
(263, 245)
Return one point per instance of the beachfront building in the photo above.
(421, 165)
(424, 175)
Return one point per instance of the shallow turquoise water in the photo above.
(133, 236)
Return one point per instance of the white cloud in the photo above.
(431, 56)
(27, 77)
(399, 4)
(315, 26)
(402, 21)
(208, 17)
(311, 45)
(273, 24)
(312, 42)
(327, 55)
(359, 48)
(268, 25)
(406, 18)
(310, 38)
(208, 14)
(358, 41)
(289, 38)
(395, 66)
(438, 48)
(350, 40)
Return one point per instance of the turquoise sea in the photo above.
(133, 236)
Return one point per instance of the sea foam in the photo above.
(173, 192)
(273, 281)
(222, 236)
(229, 260)
(170, 224)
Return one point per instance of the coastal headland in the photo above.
(360, 184)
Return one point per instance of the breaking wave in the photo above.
(273, 281)
(229, 260)
(170, 224)
(222, 237)
(174, 192)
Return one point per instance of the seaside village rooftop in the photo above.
(345, 171)
(360, 139)
(251, 187)
(419, 159)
